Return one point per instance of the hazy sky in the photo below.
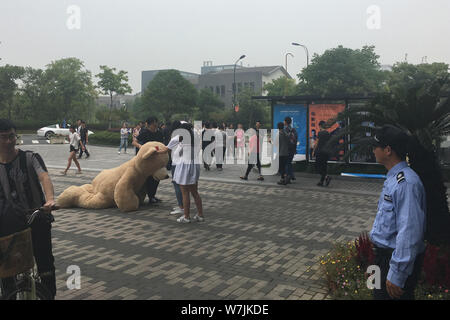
(136, 35)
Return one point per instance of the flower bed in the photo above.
(345, 271)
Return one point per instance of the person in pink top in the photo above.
(254, 154)
(240, 141)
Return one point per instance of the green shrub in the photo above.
(108, 138)
(344, 269)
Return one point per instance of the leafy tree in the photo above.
(412, 100)
(168, 94)
(113, 83)
(250, 110)
(282, 86)
(342, 71)
(9, 75)
(35, 103)
(208, 103)
(70, 88)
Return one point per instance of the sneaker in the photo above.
(244, 178)
(118, 152)
(177, 211)
(282, 183)
(261, 178)
(198, 218)
(156, 200)
(327, 181)
(182, 219)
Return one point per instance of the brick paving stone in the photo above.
(249, 247)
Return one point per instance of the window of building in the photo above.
(218, 90)
(212, 89)
(252, 86)
(222, 91)
(239, 86)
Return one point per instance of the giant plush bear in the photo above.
(122, 186)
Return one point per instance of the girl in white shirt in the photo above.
(74, 144)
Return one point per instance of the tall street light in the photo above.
(288, 54)
(234, 80)
(306, 49)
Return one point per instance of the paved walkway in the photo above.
(259, 241)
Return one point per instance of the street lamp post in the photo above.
(288, 54)
(234, 80)
(306, 49)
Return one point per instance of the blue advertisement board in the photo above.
(298, 114)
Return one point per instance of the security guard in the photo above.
(399, 227)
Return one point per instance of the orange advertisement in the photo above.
(323, 112)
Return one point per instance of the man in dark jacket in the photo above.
(150, 133)
(26, 185)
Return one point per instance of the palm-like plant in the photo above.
(416, 99)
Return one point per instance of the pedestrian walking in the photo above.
(282, 144)
(74, 144)
(124, 133)
(186, 174)
(322, 153)
(220, 139)
(240, 141)
(230, 147)
(399, 227)
(84, 139)
(292, 147)
(254, 152)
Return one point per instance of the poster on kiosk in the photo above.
(298, 114)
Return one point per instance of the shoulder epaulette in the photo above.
(400, 177)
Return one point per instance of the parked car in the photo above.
(55, 129)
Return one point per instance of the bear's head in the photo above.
(153, 158)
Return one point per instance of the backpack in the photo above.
(33, 187)
(292, 138)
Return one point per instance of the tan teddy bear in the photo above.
(122, 186)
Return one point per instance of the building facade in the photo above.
(148, 76)
(221, 82)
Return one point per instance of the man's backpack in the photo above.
(292, 138)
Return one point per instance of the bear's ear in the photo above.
(154, 151)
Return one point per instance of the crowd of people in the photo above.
(412, 206)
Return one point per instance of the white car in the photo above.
(55, 129)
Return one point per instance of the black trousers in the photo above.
(151, 186)
(251, 165)
(382, 259)
(321, 165)
(45, 262)
(282, 165)
(85, 149)
(220, 157)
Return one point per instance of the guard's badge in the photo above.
(387, 198)
(400, 177)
